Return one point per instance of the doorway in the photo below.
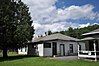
(62, 50)
(54, 48)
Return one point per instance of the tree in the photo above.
(45, 33)
(15, 25)
(49, 32)
(71, 32)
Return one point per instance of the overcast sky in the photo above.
(58, 15)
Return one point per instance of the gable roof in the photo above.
(92, 32)
(57, 36)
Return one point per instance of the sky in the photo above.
(59, 15)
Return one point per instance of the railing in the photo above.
(81, 52)
(88, 54)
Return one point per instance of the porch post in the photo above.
(95, 50)
(78, 51)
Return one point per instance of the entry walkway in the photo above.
(66, 58)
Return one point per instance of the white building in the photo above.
(54, 45)
(91, 45)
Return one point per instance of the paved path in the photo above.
(65, 58)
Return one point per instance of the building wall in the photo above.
(48, 51)
(67, 47)
(82, 45)
(41, 51)
(86, 45)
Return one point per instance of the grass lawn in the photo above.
(38, 61)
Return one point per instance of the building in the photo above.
(91, 45)
(54, 45)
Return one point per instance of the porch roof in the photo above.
(92, 32)
(57, 36)
(90, 38)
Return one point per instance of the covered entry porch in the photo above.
(91, 48)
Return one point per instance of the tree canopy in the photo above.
(15, 25)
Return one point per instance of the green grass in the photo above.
(39, 61)
(10, 54)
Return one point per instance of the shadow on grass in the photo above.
(10, 58)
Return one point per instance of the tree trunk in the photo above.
(5, 53)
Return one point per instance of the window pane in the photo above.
(47, 45)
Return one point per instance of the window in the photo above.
(47, 45)
(71, 48)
